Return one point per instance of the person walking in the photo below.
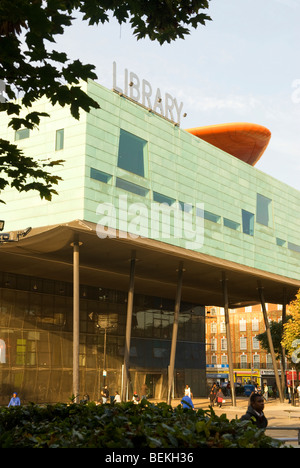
(255, 411)
(266, 392)
(219, 397)
(289, 393)
(15, 400)
(298, 391)
(212, 395)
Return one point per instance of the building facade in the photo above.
(135, 186)
(36, 325)
(252, 364)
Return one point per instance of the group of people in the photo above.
(117, 398)
(105, 396)
(216, 396)
(292, 393)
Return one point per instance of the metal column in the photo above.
(228, 337)
(267, 325)
(128, 327)
(283, 379)
(75, 246)
(174, 334)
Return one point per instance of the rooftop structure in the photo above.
(246, 141)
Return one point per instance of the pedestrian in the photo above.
(117, 398)
(295, 394)
(266, 392)
(274, 390)
(85, 400)
(289, 393)
(105, 394)
(187, 391)
(220, 398)
(15, 400)
(298, 391)
(187, 402)
(212, 395)
(255, 411)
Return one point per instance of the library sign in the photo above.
(141, 91)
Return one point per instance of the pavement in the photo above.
(279, 415)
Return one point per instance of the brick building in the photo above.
(251, 363)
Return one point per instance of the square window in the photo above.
(132, 153)
(22, 134)
(264, 210)
(160, 198)
(280, 242)
(231, 224)
(248, 222)
(130, 187)
(59, 140)
(294, 247)
(99, 175)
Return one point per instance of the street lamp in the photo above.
(2, 224)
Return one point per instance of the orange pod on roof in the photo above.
(245, 141)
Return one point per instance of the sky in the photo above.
(243, 66)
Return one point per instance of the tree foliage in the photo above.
(292, 328)
(126, 425)
(276, 329)
(32, 68)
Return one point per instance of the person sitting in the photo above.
(186, 402)
(135, 398)
(15, 400)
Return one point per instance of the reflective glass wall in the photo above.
(36, 341)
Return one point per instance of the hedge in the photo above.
(125, 425)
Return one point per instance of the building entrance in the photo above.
(154, 383)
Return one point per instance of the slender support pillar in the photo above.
(174, 334)
(228, 337)
(75, 246)
(267, 325)
(128, 327)
(283, 379)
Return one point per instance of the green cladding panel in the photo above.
(157, 180)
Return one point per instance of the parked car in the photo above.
(248, 389)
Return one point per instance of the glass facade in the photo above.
(36, 325)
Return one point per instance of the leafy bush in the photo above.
(125, 425)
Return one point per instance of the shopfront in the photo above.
(247, 376)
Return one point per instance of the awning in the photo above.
(47, 253)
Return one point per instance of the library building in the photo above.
(109, 283)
